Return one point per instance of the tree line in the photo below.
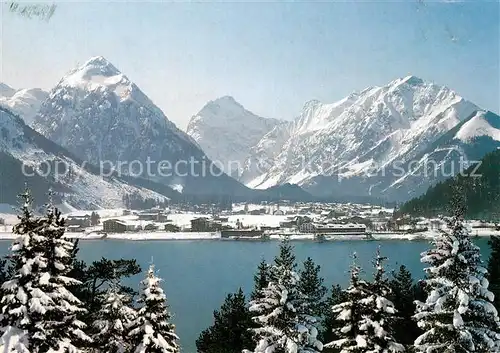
(480, 184)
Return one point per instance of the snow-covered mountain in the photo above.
(480, 125)
(6, 91)
(358, 145)
(100, 115)
(461, 147)
(25, 102)
(260, 158)
(28, 157)
(226, 132)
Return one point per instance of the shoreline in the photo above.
(305, 237)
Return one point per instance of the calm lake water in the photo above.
(198, 274)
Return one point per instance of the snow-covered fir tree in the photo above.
(311, 285)
(65, 326)
(260, 279)
(404, 293)
(378, 315)
(151, 331)
(113, 321)
(283, 325)
(38, 304)
(329, 324)
(458, 315)
(494, 269)
(25, 303)
(349, 314)
(229, 332)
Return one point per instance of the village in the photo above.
(301, 221)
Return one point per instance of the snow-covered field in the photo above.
(183, 220)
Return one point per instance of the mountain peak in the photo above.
(225, 101)
(311, 104)
(102, 64)
(97, 60)
(24, 102)
(413, 80)
(226, 131)
(6, 90)
(97, 70)
(482, 123)
(410, 80)
(225, 105)
(99, 64)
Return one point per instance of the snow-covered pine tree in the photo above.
(25, 304)
(151, 331)
(378, 316)
(348, 314)
(404, 294)
(311, 285)
(330, 323)
(494, 269)
(230, 331)
(282, 326)
(458, 315)
(113, 321)
(64, 324)
(260, 279)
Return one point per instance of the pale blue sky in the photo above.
(272, 57)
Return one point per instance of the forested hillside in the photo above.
(481, 186)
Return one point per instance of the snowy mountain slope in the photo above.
(25, 102)
(405, 179)
(481, 124)
(226, 131)
(481, 186)
(361, 139)
(98, 114)
(6, 91)
(462, 147)
(261, 156)
(26, 156)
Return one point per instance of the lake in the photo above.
(198, 274)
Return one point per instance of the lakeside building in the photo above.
(247, 233)
(358, 229)
(153, 215)
(120, 226)
(81, 221)
(204, 224)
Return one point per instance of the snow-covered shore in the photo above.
(166, 236)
